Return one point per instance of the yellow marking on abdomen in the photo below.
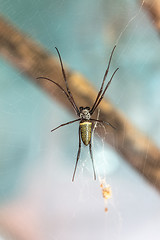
(86, 128)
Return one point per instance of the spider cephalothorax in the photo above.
(84, 114)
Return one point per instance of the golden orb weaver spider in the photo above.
(84, 113)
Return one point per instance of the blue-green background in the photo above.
(35, 166)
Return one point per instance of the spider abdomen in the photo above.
(86, 129)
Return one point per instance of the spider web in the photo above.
(38, 200)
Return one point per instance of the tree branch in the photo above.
(153, 8)
(33, 60)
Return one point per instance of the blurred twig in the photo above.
(153, 8)
(34, 61)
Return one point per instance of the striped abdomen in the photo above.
(86, 128)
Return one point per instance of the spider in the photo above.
(84, 113)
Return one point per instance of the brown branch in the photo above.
(153, 8)
(34, 61)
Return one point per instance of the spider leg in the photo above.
(65, 79)
(78, 155)
(101, 121)
(100, 99)
(90, 149)
(67, 94)
(104, 78)
(66, 124)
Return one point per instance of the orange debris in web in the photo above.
(106, 192)
(106, 209)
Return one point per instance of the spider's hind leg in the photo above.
(90, 149)
(78, 155)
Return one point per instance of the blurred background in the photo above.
(37, 198)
